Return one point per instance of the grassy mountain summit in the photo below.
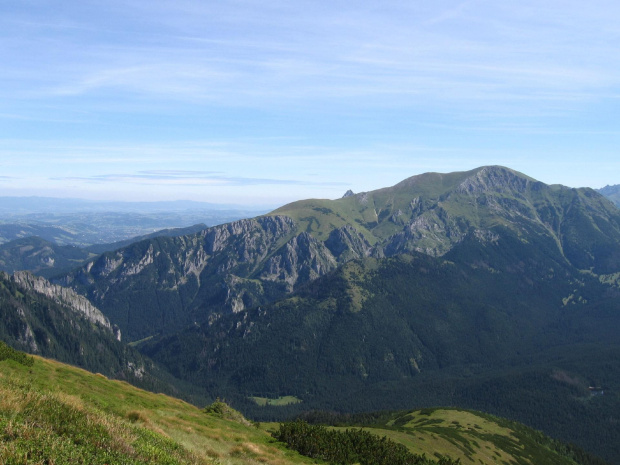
(378, 213)
(432, 212)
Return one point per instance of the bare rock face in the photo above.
(433, 233)
(247, 242)
(175, 281)
(27, 339)
(302, 259)
(347, 244)
(494, 179)
(229, 245)
(62, 295)
(251, 237)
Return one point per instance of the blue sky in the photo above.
(264, 102)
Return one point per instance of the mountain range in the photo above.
(483, 289)
(243, 264)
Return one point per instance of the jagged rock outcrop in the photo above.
(612, 193)
(172, 282)
(347, 243)
(433, 233)
(26, 337)
(302, 259)
(47, 259)
(54, 322)
(251, 238)
(62, 295)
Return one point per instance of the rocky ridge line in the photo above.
(64, 296)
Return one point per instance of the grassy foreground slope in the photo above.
(55, 413)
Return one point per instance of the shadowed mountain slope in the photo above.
(46, 319)
(375, 320)
(416, 330)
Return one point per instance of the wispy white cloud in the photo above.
(275, 52)
(189, 178)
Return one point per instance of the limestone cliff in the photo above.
(62, 295)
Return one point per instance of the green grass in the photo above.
(40, 427)
(380, 214)
(472, 437)
(8, 353)
(55, 413)
(280, 401)
(137, 343)
(319, 217)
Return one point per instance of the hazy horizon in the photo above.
(180, 201)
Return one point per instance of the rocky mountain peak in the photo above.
(612, 193)
(497, 179)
